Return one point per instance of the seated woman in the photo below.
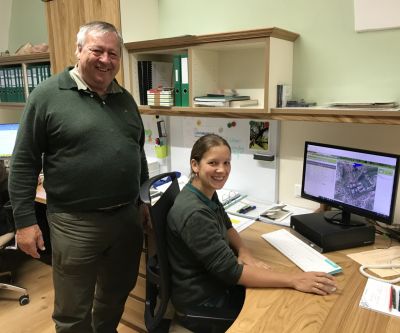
(209, 263)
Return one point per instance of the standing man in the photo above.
(86, 130)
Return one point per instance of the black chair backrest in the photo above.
(157, 271)
(6, 218)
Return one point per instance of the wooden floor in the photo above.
(34, 317)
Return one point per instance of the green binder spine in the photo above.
(177, 80)
(185, 80)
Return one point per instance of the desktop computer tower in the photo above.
(332, 237)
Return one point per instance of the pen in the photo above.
(246, 209)
(398, 302)
(392, 298)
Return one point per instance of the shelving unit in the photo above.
(252, 62)
(24, 61)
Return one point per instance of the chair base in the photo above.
(23, 299)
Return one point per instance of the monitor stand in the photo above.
(331, 236)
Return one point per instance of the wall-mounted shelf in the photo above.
(205, 112)
(25, 58)
(331, 115)
(335, 115)
(19, 74)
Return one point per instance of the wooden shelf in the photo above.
(362, 116)
(206, 112)
(335, 115)
(191, 40)
(25, 58)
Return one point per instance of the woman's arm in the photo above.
(256, 273)
(244, 255)
(311, 282)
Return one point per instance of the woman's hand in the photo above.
(314, 282)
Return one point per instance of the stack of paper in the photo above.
(378, 297)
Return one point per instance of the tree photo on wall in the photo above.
(259, 135)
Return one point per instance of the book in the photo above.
(275, 214)
(212, 103)
(219, 98)
(152, 75)
(382, 297)
(373, 105)
(283, 95)
(243, 103)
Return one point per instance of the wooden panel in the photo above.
(64, 17)
(133, 315)
(142, 265)
(139, 292)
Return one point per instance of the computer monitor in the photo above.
(353, 180)
(8, 134)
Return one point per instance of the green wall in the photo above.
(28, 24)
(332, 62)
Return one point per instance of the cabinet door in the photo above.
(64, 17)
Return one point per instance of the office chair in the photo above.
(6, 237)
(158, 286)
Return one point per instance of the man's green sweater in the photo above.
(92, 150)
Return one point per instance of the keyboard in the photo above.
(300, 253)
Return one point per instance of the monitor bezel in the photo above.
(343, 206)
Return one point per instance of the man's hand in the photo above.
(30, 239)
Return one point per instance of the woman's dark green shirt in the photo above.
(202, 263)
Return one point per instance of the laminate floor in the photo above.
(35, 317)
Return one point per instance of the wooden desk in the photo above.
(287, 310)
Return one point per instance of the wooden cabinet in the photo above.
(252, 62)
(19, 74)
(64, 17)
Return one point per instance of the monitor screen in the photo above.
(8, 134)
(354, 180)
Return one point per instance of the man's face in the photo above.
(99, 60)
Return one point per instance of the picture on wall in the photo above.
(259, 135)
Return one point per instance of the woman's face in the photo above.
(212, 171)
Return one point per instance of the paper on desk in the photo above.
(253, 214)
(379, 257)
(376, 297)
(240, 223)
